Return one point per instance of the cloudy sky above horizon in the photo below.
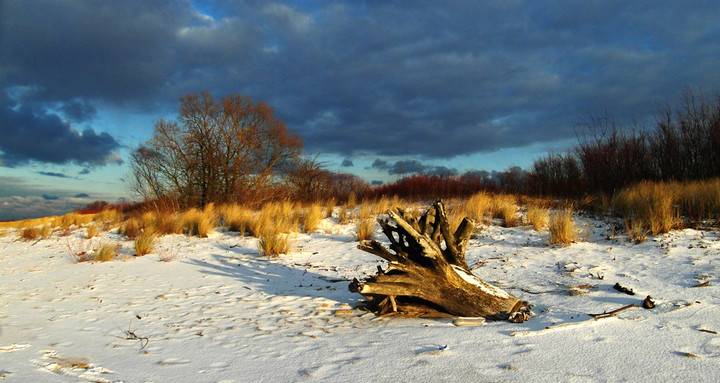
(454, 85)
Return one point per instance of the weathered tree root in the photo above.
(427, 274)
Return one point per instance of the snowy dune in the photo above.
(219, 312)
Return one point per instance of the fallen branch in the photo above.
(612, 313)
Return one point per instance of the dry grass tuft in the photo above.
(330, 207)
(144, 244)
(700, 201)
(366, 210)
(364, 229)
(109, 218)
(653, 204)
(343, 216)
(237, 218)
(30, 233)
(74, 219)
(274, 243)
(537, 216)
(92, 230)
(199, 222)
(131, 228)
(351, 201)
(504, 206)
(79, 251)
(45, 231)
(311, 217)
(478, 207)
(562, 228)
(636, 230)
(275, 218)
(106, 252)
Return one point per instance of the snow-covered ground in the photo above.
(219, 312)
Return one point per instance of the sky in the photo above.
(405, 86)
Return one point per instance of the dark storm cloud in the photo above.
(53, 174)
(50, 197)
(411, 167)
(82, 195)
(36, 135)
(347, 163)
(432, 79)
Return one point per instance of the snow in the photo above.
(484, 287)
(219, 312)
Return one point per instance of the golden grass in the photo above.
(273, 243)
(275, 218)
(343, 216)
(144, 244)
(537, 216)
(311, 217)
(74, 219)
(198, 222)
(45, 231)
(109, 218)
(236, 218)
(106, 252)
(91, 231)
(30, 233)
(562, 228)
(366, 210)
(27, 223)
(478, 207)
(700, 201)
(351, 201)
(364, 229)
(131, 228)
(330, 207)
(504, 206)
(651, 203)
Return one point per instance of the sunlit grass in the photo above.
(106, 252)
(91, 231)
(562, 228)
(537, 216)
(311, 217)
(652, 204)
(478, 207)
(364, 229)
(198, 222)
(237, 218)
(273, 243)
(30, 233)
(144, 244)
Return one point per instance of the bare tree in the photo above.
(214, 152)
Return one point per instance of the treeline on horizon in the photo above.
(178, 168)
(682, 146)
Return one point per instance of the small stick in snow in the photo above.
(708, 331)
(704, 284)
(612, 313)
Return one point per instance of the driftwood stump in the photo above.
(427, 274)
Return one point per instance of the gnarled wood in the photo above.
(427, 273)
